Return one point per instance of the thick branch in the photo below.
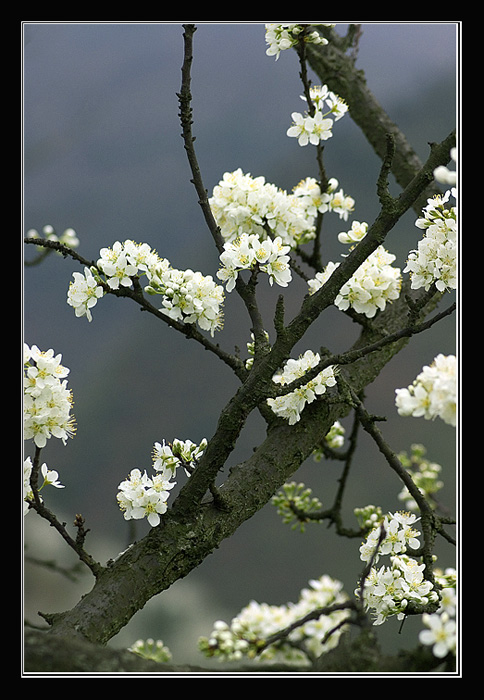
(350, 356)
(392, 210)
(186, 536)
(337, 69)
(193, 528)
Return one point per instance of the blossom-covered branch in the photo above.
(256, 227)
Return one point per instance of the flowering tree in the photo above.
(264, 235)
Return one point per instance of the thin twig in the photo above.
(314, 259)
(431, 523)
(185, 98)
(136, 295)
(351, 356)
(313, 615)
(37, 504)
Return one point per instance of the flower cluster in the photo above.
(433, 393)
(388, 590)
(435, 259)
(333, 199)
(368, 517)
(440, 627)
(244, 204)
(142, 496)
(316, 127)
(151, 649)
(49, 477)
(398, 536)
(374, 284)
(333, 440)
(188, 296)
(295, 504)
(290, 406)
(248, 252)
(281, 37)
(83, 293)
(178, 453)
(116, 264)
(125, 260)
(47, 400)
(425, 475)
(68, 237)
(246, 634)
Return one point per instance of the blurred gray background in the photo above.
(103, 154)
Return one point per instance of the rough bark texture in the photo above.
(336, 68)
(361, 654)
(193, 528)
(180, 543)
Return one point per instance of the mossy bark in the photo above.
(195, 526)
(185, 538)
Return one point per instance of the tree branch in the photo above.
(431, 523)
(185, 98)
(136, 294)
(194, 527)
(392, 210)
(350, 356)
(338, 71)
(37, 504)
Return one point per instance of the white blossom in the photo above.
(47, 400)
(187, 296)
(316, 127)
(242, 204)
(435, 259)
(290, 406)
(342, 204)
(440, 633)
(84, 293)
(191, 297)
(443, 174)
(258, 621)
(357, 232)
(167, 458)
(116, 266)
(433, 393)
(375, 283)
(281, 37)
(247, 251)
(440, 628)
(399, 536)
(389, 589)
(141, 497)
